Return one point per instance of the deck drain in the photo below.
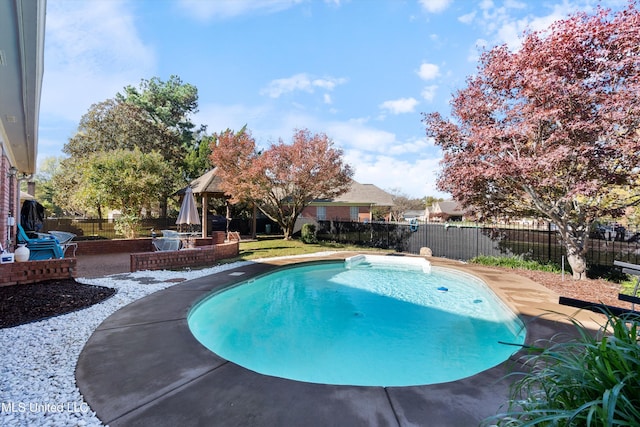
(237, 273)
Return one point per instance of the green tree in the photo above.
(283, 179)
(45, 190)
(128, 180)
(153, 117)
(167, 106)
(197, 160)
(550, 128)
(73, 191)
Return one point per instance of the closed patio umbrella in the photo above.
(188, 211)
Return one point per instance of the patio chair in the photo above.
(65, 239)
(40, 248)
(166, 244)
(171, 234)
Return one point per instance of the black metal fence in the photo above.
(466, 241)
(105, 228)
(86, 229)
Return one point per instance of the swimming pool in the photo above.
(367, 321)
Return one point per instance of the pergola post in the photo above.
(205, 213)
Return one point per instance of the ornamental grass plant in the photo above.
(592, 380)
(515, 262)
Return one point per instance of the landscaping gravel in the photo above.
(37, 372)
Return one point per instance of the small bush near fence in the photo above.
(467, 241)
(308, 233)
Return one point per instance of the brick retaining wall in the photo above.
(205, 253)
(17, 273)
(97, 247)
(196, 257)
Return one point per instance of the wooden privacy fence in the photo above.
(466, 241)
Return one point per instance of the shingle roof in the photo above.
(362, 194)
(449, 207)
(207, 183)
(367, 194)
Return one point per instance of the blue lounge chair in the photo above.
(41, 248)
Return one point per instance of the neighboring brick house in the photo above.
(356, 204)
(418, 214)
(447, 210)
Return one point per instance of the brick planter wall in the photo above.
(218, 237)
(97, 247)
(141, 259)
(17, 273)
(197, 257)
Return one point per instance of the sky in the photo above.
(360, 71)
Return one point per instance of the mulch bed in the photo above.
(21, 304)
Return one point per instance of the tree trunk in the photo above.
(254, 221)
(578, 265)
(288, 231)
(575, 244)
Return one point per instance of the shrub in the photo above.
(308, 233)
(588, 381)
(127, 225)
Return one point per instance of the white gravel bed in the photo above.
(38, 360)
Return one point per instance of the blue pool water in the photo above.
(366, 323)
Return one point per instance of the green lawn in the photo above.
(276, 247)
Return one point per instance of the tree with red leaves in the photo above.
(551, 129)
(282, 180)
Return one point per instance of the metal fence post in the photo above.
(549, 241)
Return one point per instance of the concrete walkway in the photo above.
(142, 366)
(91, 266)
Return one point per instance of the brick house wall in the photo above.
(5, 198)
(338, 213)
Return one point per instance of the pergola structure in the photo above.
(208, 186)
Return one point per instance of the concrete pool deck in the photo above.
(142, 366)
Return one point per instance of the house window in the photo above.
(321, 213)
(353, 213)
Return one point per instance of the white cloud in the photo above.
(400, 106)
(300, 82)
(328, 83)
(223, 9)
(368, 149)
(467, 18)
(411, 146)
(503, 28)
(474, 52)
(415, 178)
(356, 134)
(429, 92)
(92, 51)
(428, 71)
(435, 6)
